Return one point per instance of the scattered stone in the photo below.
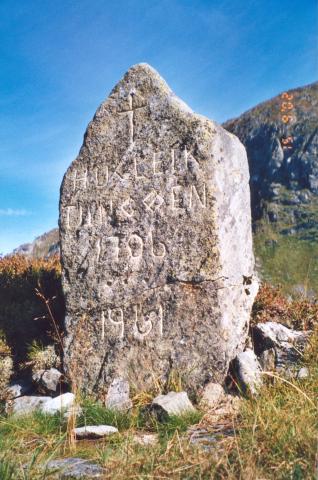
(174, 403)
(228, 407)
(273, 334)
(48, 380)
(118, 395)
(94, 431)
(28, 404)
(203, 438)
(212, 395)
(74, 410)
(216, 425)
(146, 439)
(287, 344)
(74, 468)
(267, 360)
(248, 372)
(58, 404)
(156, 242)
(303, 373)
(19, 388)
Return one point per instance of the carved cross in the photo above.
(130, 111)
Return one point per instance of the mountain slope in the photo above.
(43, 246)
(284, 186)
(284, 181)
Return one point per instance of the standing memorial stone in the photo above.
(156, 242)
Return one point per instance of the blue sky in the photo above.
(59, 59)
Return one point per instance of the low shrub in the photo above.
(272, 306)
(43, 358)
(23, 314)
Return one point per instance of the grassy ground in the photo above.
(272, 437)
(289, 261)
(275, 437)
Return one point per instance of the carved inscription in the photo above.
(128, 207)
(134, 247)
(95, 214)
(189, 198)
(196, 198)
(153, 201)
(101, 177)
(158, 249)
(115, 317)
(176, 162)
(141, 321)
(80, 179)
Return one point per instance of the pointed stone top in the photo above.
(143, 77)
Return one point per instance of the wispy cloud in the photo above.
(13, 212)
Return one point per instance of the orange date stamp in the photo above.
(287, 111)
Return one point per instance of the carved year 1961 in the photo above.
(115, 321)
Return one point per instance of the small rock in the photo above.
(48, 380)
(288, 345)
(303, 373)
(267, 360)
(146, 439)
(118, 395)
(272, 334)
(213, 394)
(62, 402)
(19, 388)
(203, 438)
(74, 468)
(174, 403)
(28, 404)
(94, 431)
(248, 371)
(216, 425)
(74, 410)
(230, 406)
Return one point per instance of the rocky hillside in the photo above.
(281, 139)
(45, 245)
(284, 178)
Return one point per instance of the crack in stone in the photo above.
(194, 281)
(175, 281)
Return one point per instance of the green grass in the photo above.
(95, 413)
(288, 261)
(180, 423)
(33, 439)
(275, 438)
(278, 431)
(7, 470)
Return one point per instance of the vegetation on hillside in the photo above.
(288, 261)
(25, 283)
(271, 305)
